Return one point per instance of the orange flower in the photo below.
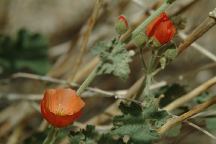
(161, 29)
(61, 107)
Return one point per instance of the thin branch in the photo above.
(187, 97)
(58, 81)
(201, 129)
(90, 25)
(181, 7)
(206, 25)
(199, 48)
(16, 134)
(89, 93)
(195, 110)
(42, 78)
(210, 113)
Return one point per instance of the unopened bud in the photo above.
(121, 25)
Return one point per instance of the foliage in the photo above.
(202, 97)
(171, 92)
(134, 126)
(168, 54)
(36, 138)
(87, 136)
(27, 52)
(115, 59)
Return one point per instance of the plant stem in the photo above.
(142, 26)
(148, 80)
(88, 80)
(51, 137)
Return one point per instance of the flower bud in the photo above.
(161, 30)
(121, 25)
(61, 107)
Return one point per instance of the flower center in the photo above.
(60, 110)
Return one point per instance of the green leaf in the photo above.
(132, 108)
(109, 139)
(159, 118)
(138, 133)
(139, 124)
(35, 138)
(115, 59)
(29, 51)
(171, 92)
(85, 136)
(40, 66)
(202, 97)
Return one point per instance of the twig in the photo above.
(61, 63)
(206, 25)
(210, 113)
(198, 128)
(182, 7)
(14, 138)
(185, 98)
(195, 110)
(202, 68)
(42, 78)
(88, 93)
(90, 25)
(199, 48)
(57, 81)
(201, 129)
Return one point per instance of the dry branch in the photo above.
(196, 92)
(195, 110)
(90, 25)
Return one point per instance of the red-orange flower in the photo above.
(161, 29)
(61, 107)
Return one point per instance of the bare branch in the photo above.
(195, 110)
(185, 98)
(201, 129)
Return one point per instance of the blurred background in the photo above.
(45, 38)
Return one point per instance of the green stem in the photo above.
(142, 26)
(51, 137)
(149, 75)
(147, 96)
(88, 80)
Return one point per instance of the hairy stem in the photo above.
(88, 80)
(149, 76)
(51, 137)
